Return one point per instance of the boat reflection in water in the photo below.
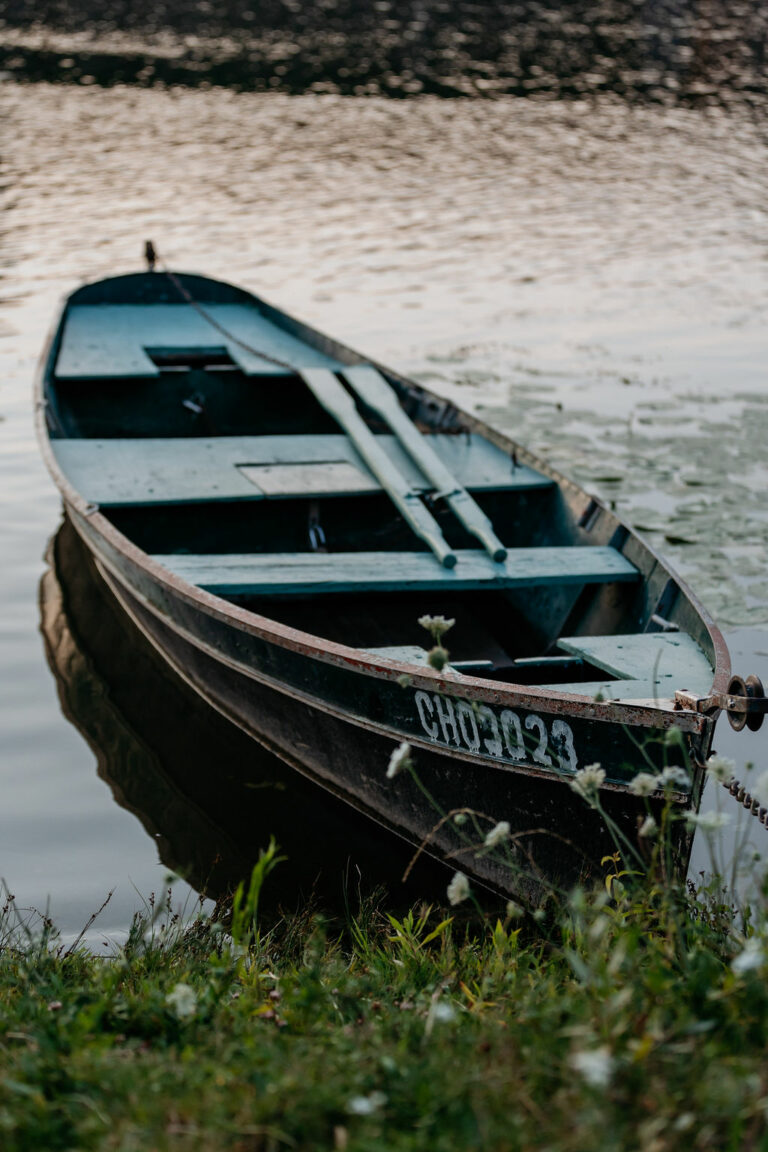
(208, 794)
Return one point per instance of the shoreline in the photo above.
(670, 56)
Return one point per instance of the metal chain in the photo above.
(742, 796)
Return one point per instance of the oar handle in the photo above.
(336, 400)
(375, 391)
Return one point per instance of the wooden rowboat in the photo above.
(277, 514)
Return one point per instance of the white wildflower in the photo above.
(709, 821)
(437, 657)
(366, 1105)
(437, 625)
(539, 915)
(760, 789)
(672, 737)
(598, 928)
(649, 827)
(750, 958)
(674, 777)
(643, 784)
(183, 1001)
(721, 768)
(514, 911)
(497, 835)
(400, 759)
(458, 889)
(587, 781)
(596, 1066)
(443, 1013)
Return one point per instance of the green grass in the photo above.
(613, 1020)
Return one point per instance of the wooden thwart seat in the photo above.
(652, 688)
(615, 689)
(114, 473)
(648, 665)
(294, 574)
(111, 341)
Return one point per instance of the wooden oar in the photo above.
(336, 400)
(374, 390)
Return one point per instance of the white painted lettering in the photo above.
(562, 740)
(477, 727)
(447, 718)
(514, 744)
(466, 714)
(426, 714)
(493, 746)
(535, 723)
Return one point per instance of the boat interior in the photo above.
(259, 461)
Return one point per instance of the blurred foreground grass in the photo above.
(625, 1018)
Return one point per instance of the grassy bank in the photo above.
(622, 1019)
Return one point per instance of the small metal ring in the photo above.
(754, 691)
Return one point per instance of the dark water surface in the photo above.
(589, 275)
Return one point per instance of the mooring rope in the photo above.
(187, 295)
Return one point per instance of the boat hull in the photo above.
(338, 726)
(337, 712)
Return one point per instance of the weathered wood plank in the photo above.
(176, 471)
(615, 689)
(109, 340)
(294, 574)
(666, 660)
(604, 689)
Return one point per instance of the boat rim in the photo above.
(331, 652)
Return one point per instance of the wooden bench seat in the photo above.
(295, 574)
(605, 689)
(616, 689)
(103, 341)
(115, 473)
(661, 662)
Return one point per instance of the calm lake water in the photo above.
(590, 276)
